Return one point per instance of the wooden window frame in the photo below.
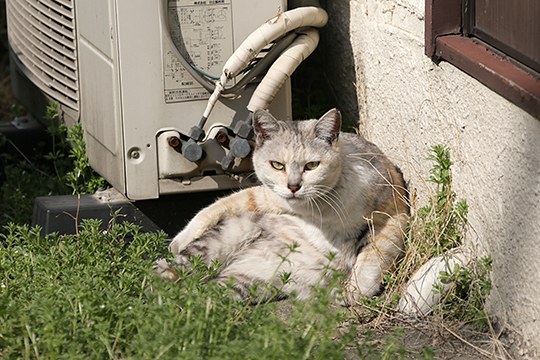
(445, 40)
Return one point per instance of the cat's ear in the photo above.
(264, 126)
(328, 126)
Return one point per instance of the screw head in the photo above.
(173, 141)
(135, 154)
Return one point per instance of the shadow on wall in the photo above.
(326, 78)
(516, 266)
(339, 66)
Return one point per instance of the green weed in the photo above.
(68, 154)
(93, 296)
(470, 288)
(81, 178)
(434, 229)
(58, 168)
(444, 219)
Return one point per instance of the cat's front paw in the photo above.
(164, 270)
(182, 240)
(364, 282)
(169, 271)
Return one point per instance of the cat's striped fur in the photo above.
(253, 248)
(326, 191)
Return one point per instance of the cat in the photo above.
(334, 195)
(274, 254)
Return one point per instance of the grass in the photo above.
(435, 229)
(92, 296)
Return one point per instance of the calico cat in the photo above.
(333, 195)
(274, 254)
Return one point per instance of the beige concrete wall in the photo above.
(407, 104)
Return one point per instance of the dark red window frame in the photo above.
(445, 40)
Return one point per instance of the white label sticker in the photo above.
(202, 32)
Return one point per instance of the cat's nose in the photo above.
(294, 187)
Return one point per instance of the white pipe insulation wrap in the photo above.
(270, 31)
(213, 99)
(282, 69)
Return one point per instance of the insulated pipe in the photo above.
(270, 31)
(257, 40)
(263, 63)
(282, 69)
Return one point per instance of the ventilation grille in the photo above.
(42, 35)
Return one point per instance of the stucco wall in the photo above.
(407, 104)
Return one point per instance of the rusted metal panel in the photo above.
(442, 17)
(493, 70)
(511, 26)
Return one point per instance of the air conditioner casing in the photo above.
(125, 86)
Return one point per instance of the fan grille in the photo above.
(42, 35)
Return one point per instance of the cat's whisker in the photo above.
(331, 192)
(314, 202)
(327, 188)
(311, 209)
(333, 200)
(340, 217)
(329, 201)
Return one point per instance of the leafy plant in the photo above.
(444, 219)
(470, 288)
(92, 295)
(434, 229)
(56, 168)
(81, 178)
(69, 154)
(439, 225)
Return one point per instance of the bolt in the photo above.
(135, 154)
(240, 148)
(227, 162)
(222, 138)
(196, 133)
(192, 151)
(174, 142)
(244, 130)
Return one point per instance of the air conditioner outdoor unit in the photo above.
(138, 75)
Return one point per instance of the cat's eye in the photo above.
(277, 165)
(312, 165)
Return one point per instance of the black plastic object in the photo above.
(63, 213)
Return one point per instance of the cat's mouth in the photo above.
(291, 197)
(294, 198)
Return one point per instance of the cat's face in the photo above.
(299, 161)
